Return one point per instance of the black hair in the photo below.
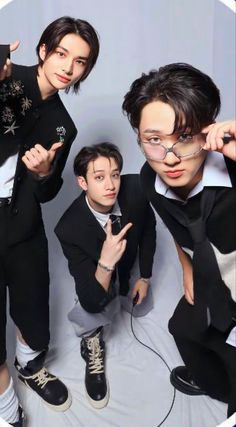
(192, 94)
(58, 29)
(92, 152)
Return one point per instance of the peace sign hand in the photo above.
(114, 245)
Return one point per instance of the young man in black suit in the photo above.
(36, 134)
(100, 258)
(189, 177)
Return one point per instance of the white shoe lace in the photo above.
(42, 377)
(95, 356)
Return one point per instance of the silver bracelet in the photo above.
(144, 280)
(105, 267)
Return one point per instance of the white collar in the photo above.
(215, 174)
(102, 218)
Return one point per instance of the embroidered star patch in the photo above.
(11, 128)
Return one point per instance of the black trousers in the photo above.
(24, 272)
(210, 359)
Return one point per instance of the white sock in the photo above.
(24, 353)
(9, 404)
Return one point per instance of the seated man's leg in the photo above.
(28, 278)
(206, 372)
(89, 326)
(227, 354)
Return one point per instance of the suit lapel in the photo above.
(124, 204)
(90, 231)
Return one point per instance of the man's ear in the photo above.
(82, 182)
(42, 52)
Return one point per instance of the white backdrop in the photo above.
(135, 37)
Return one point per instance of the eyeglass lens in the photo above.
(180, 149)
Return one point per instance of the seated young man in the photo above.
(189, 177)
(101, 234)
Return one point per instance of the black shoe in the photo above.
(20, 422)
(182, 380)
(53, 392)
(93, 352)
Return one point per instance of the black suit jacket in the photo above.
(221, 224)
(82, 237)
(26, 120)
(220, 230)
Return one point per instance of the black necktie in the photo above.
(115, 223)
(209, 288)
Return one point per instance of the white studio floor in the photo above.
(140, 391)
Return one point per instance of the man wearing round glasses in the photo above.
(190, 178)
(181, 168)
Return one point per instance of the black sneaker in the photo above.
(21, 420)
(183, 381)
(51, 390)
(93, 352)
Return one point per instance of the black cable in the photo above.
(163, 360)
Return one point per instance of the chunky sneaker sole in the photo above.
(99, 404)
(58, 408)
(51, 390)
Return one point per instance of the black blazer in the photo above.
(82, 237)
(221, 224)
(25, 120)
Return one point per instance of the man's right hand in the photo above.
(114, 245)
(6, 70)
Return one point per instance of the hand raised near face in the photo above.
(114, 245)
(38, 159)
(6, 69)
(215, 134)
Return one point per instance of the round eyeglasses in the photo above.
(187, 147)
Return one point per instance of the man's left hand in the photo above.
(215, 138)
(142, 288)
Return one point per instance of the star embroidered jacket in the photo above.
(25, 120)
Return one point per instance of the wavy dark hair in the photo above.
(92, 152)
(192, 94)
(58, 29)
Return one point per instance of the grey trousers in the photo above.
(85, 323)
